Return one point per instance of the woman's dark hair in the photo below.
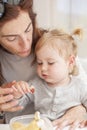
(12, 11)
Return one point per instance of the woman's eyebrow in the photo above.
(28, 26)
(14, 35)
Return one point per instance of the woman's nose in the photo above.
(24, 41)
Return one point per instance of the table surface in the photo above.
(6, 127)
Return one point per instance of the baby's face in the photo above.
(51, 67)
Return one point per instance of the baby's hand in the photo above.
(20, 88)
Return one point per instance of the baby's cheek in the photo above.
(39, 73)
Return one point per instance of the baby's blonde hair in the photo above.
(66, 48)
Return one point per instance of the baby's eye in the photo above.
(39, 63)
(51, 63)
(13, 38)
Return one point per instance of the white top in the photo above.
(55, 101)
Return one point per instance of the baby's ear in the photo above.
(71, 59)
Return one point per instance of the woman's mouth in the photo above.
(24, 52)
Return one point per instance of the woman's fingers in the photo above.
(8, 85)
(5, 95)
(15, 108)
(7, 98)
(7, 102)
(4, 91)
(10, 106)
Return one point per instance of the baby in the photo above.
(57, 86)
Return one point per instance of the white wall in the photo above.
(42, 8)
(84, 63)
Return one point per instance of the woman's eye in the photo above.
(11, 38)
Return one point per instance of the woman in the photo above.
(18, 35)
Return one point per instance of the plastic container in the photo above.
(23, 122)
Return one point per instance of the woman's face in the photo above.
(16, 35)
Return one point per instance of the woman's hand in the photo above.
(74, 117)
(7, 102)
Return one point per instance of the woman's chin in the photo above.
(25, 55)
